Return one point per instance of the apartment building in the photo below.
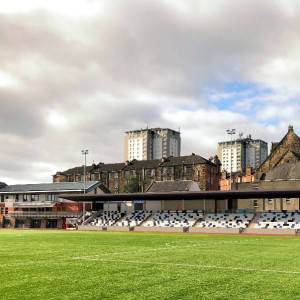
(154, 143)
(237, 154)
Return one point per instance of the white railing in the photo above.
(67, 214)
(33, 203)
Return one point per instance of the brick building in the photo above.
(236, 178)
(193, 167)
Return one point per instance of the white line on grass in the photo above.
(188, 265)
(167, 248)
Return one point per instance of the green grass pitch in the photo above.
(37, 264)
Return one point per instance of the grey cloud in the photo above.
(96, 71)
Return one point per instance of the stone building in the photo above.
(193, 167)
(281, 170)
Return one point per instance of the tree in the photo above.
(132, 186)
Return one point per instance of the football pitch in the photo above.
(37, 264)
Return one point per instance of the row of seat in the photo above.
(173, 219)
(278, 220)
(135, 218)
(226, 220)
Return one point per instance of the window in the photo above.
(116, 185)
(2, 198)
(25, 198)
(184, 169)
(288, 200)
(126, 173)
(51, 197)
(34, 197)
(116, 175)
(152, 172)
(270, 200)
(165, 170)
(255, 203)
(17, 198)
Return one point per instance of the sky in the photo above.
(77, 74)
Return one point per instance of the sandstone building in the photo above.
(281, 170)
(193, 167)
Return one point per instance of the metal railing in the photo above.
(66, 214)
(33, 203)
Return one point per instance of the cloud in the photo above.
(76, 77)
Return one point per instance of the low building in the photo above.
(172, 186)
(40, 205)
(193, 167)
(236, 178)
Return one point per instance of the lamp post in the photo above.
(231, 132)
(84, 152)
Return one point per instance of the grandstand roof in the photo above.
(220, 195)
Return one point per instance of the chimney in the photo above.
(163, 159)
(127, 163)
(248, 171)
(224, 175)
(216, 159)
(291, 128)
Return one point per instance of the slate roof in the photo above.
(186, 160)
(170, 186)
(77, 170)
(56, 187)
(286, 171)
(140, 164)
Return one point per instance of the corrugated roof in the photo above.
(50, 187)
(170, 186)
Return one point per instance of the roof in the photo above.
(56, 187)
(170, 186)
(286, 171)
(77, 170)
(185, 160)
(140, 164)
(222, 195)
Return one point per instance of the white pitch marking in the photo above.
(194, 266)
(160, 249)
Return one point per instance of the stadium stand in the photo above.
(279, 220)
(134, 218)
(173, 219)
(106, 218)
(227, 220)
